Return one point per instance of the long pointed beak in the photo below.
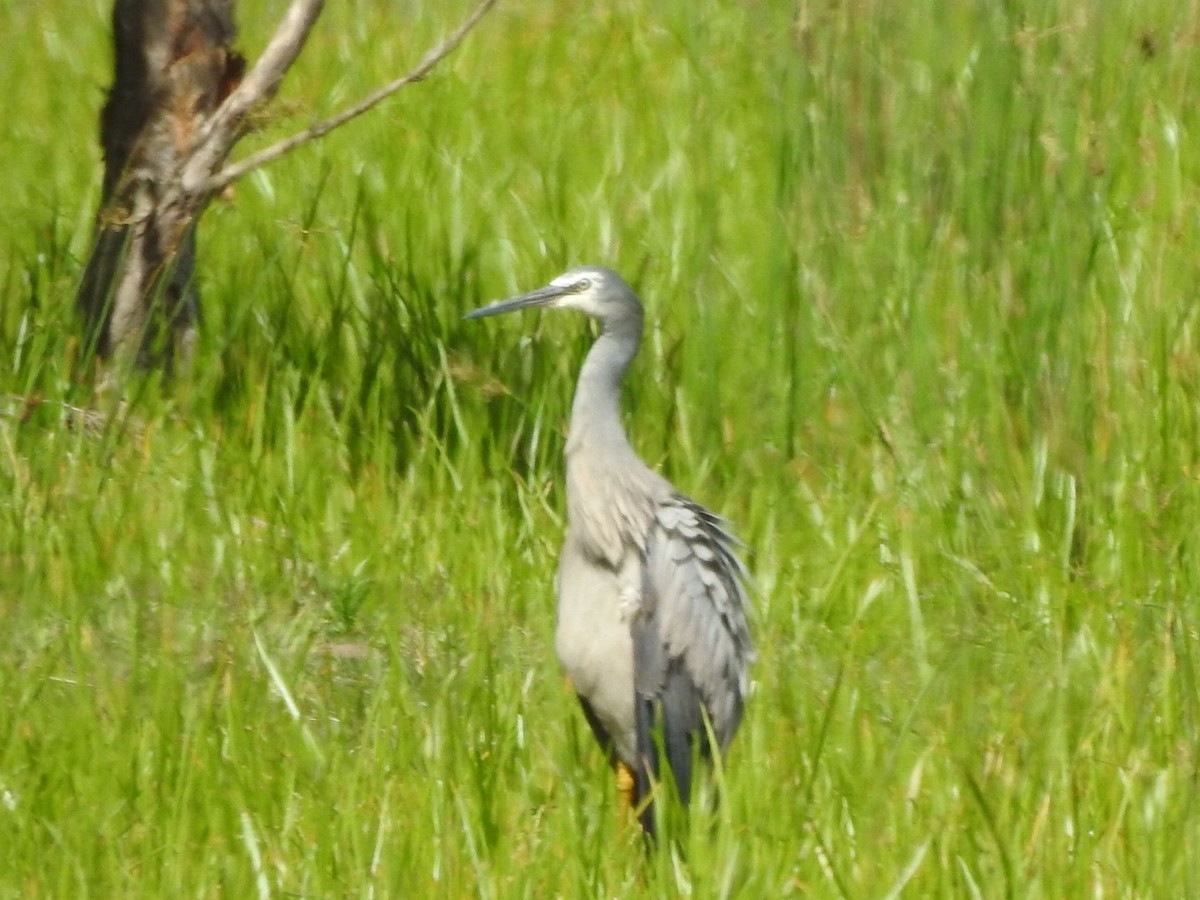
(540, 297)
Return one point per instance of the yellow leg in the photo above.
(625, 785)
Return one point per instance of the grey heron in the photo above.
(652, 605)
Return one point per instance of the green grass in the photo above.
(921, 283)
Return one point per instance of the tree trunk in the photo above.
(173, 65)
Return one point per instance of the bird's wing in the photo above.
(691, 642)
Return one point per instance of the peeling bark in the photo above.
(174, 63)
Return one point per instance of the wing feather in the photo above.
(692, 645)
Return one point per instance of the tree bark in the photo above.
(174, 63)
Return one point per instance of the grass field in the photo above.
(921, 284)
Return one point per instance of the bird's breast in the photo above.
(593, 639)
(610, 504)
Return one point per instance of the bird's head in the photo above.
(598, 292)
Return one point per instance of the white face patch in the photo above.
(581, 290)
(577, 284)
(569, 279)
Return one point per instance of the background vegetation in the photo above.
(921, 283)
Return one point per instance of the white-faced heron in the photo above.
(651, 601)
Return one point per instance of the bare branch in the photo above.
(220, 132)
(234, 171)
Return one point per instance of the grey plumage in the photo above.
(651, 602)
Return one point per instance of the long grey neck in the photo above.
(596, 413)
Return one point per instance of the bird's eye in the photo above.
(582, 285)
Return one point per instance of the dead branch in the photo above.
(220, 132)
(232, 172)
